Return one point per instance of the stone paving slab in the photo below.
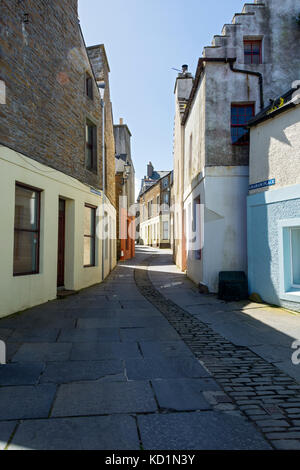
(76, 371)
(34, 335)
(164, 348)
(92, 433)
(26, 402)
(149, 334)
(139, 321)
(92, 398)
(183, 394)
(35, 352)
(21, 374)
(164, 367)
(104, 351)
(6, 430)
(79, 335)
(95, 323)
(199, 431)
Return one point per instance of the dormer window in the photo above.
(253, 51)
(89, 86)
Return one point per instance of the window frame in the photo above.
(94, 208)
(286, 289)
(89, 91)
(252, 42)
(37, 231)
(93, 165)
(293, 285)
(235, 126)
(197, 227)
(167, 230)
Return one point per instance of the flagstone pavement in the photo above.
(131, 364)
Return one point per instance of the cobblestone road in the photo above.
(121, 366)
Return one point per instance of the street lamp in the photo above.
(101, 87)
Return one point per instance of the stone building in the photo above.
(51, 162)
(274, 202)
(154, 201)
(249, 63)
(125, 192)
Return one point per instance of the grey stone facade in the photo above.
(44, 64)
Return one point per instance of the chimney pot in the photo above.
(185, 68)
(121, 121)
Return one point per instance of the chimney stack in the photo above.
(185, 69)
(150, 169)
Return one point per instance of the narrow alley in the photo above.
(133, 364)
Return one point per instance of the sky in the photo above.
(144, 40)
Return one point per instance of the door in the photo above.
(184, 254)
(61, 243)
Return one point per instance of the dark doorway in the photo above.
(61, 244)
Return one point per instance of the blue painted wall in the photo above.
(264, 213)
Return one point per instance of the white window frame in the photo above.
(288, 290)
(295, 286)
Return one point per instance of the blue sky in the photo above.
(144, 39)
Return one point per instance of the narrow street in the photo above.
(123, 365)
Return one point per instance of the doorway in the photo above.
(61, 243)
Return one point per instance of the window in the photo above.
(91, 146)
(165, 230)
(166, 198)
(191, 154)
(158, 204)
(165, 182)
(89, 236)
(149, 209)
(295, 256)
(197, 228)
(27, 230)
(240, 115)
(89, 86)
(252, 52)
(289, 259)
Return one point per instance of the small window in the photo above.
(253, 52)
(89, 236)
(295, 256)
(165, 230)
(89, 86)
(27, 231)
(166, 198)
(149, 209)
(91, 146)
(197, 228)
(165, 182)
(240, 115)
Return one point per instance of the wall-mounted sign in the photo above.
(94, 191)
(262, 184)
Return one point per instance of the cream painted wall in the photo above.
(224, 191)
(275, 150)
(19, 293)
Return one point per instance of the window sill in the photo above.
(26, 274)
(292, 295)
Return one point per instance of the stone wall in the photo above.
(97, 56)
(44, 64)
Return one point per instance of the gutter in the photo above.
(225, 60)
(251, 72)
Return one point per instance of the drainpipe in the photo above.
(101, 86)
(251, 72)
